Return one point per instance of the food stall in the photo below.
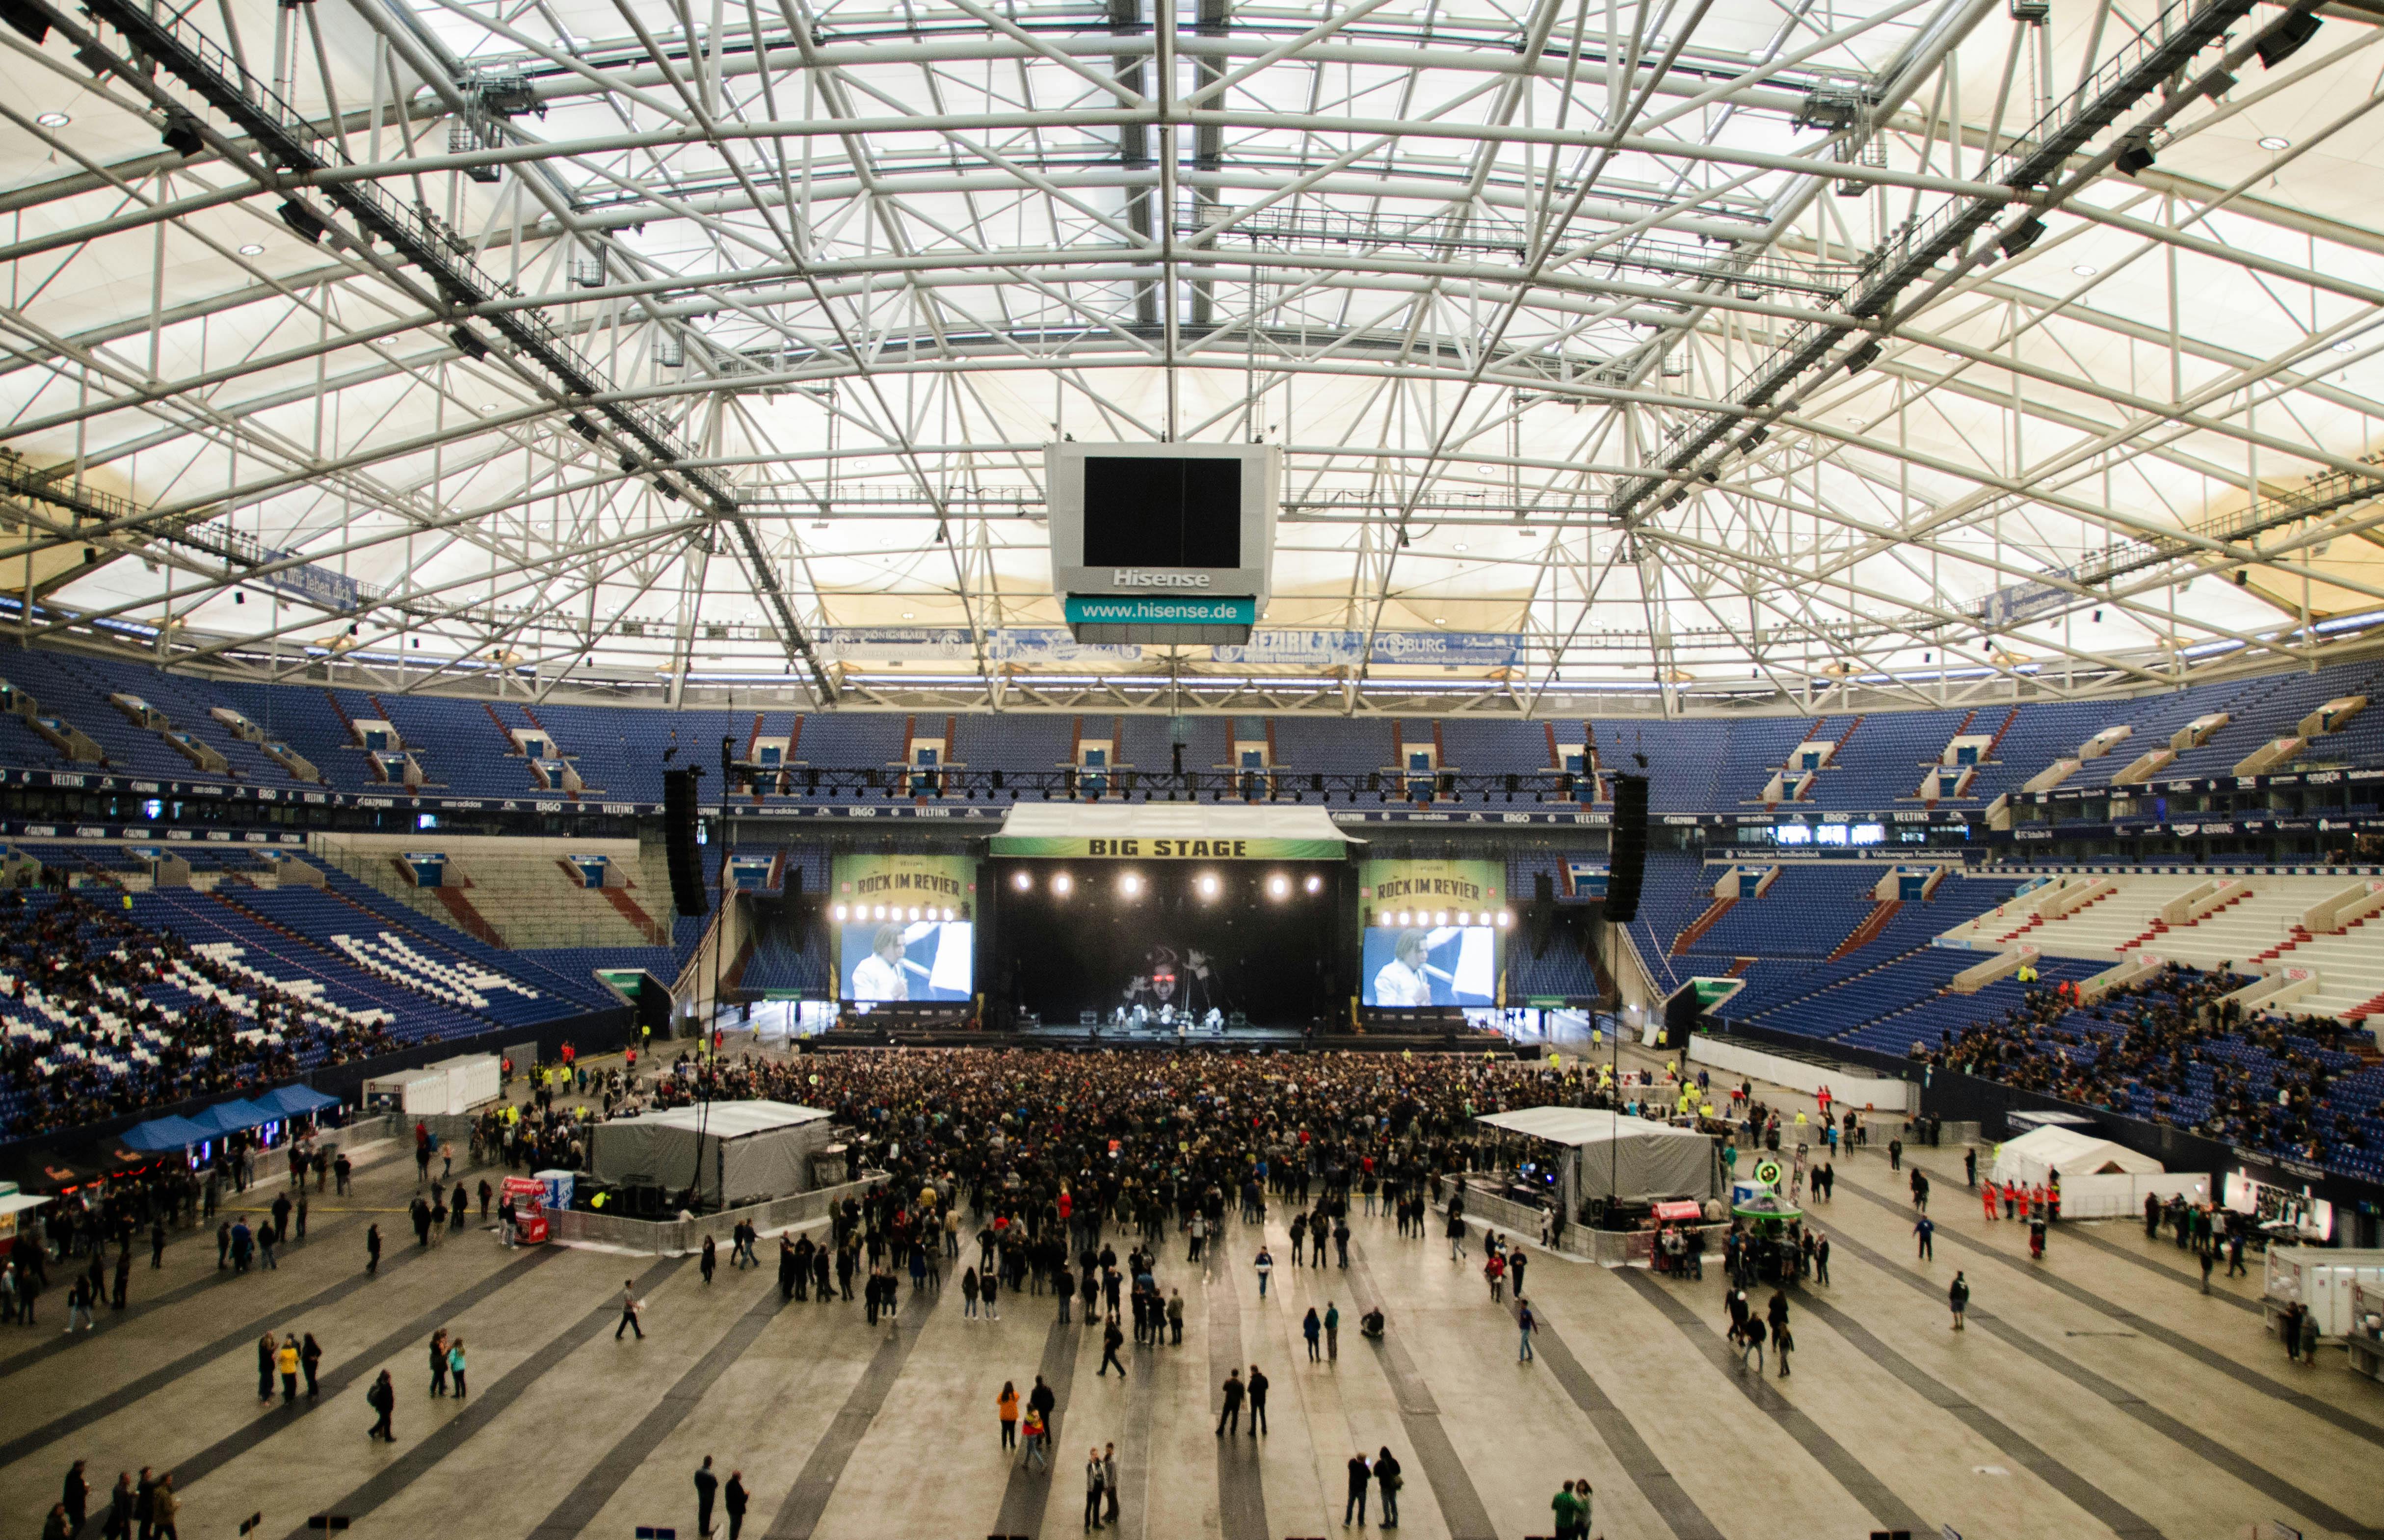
(14, 1205)
(1771, 1249)
(2364, 1336)
(527, 1195)
(2324, 1280)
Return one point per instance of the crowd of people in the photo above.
(87, 1037)
(2151, 1037)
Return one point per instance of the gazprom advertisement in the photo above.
(1434, 932)
(905, 927)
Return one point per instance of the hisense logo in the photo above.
(1136, 577)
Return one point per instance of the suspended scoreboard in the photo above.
(1163, 543)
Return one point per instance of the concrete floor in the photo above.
(2098, 1391)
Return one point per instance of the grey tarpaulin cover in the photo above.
(748, 1148)
(1626, 1159)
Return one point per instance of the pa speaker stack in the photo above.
(1628, 858)
(679, 839)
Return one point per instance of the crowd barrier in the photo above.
(677, 1237)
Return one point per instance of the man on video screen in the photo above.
(1401, 981)
(879, 976)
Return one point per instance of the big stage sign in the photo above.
(1169, 848)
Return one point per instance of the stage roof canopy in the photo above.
(1190, 831)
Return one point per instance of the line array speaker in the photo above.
(1628, 860)
(679, 840)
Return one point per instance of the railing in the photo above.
(676, 1238)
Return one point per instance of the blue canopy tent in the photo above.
(226, 1116)
(295, 1101)
(159, 1135)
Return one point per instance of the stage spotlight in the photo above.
(1385, 917)
(881, 913)
(841, 913)
(1315, 884)
(1505, 918)
(1465, 916)
(1130, 884)
(1406, 919)
(1208, 885)
(1441, 918)
(1021, 881)
(915, 914)
(1278, 887)
(1063, 884)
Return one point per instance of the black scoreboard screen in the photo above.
(1146, 511)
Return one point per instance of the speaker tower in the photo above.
(1627, 861)
(678, 841)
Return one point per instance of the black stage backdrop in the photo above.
(1277, 957)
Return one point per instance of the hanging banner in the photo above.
(1290, 648)
(905, 927)
(1026, 645)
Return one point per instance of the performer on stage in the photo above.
(1401, 981)
(879, 976)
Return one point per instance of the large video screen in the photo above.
(905, 926)
(1417, 965)
(907, 960)
(1412, 955)
(1141, 511)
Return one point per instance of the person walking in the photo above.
(1313, 1329)
(1006, 1407)
(1332, 1331)
(119, 1523)
(1528, 1324)
(1230, 1420)
(1265, 1265)
(1387, 1481)
(372, 1250)
(74, 1497)
(1925, 1234)
(629, 1311)
(1036, 1458)
(733, 1498)
(1957, 1296)
(382, 1398)
(1360, 1477)
(1494, 1269)
(1783, 1341)
(1752, 1336)
(1821, 1261)
(707, 1490)
(1096, 1489)
(2208, 1260)
(1111, 1339)
(1258, 1394)
(710, 1261)
(1516, 1260)
(165, 1508)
